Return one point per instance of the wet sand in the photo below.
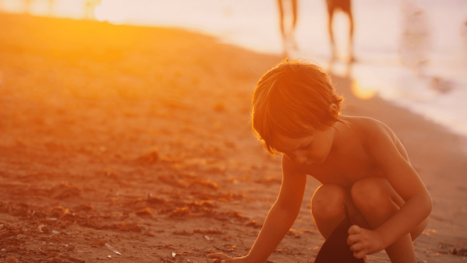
(139, 138)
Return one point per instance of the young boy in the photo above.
(358, 160)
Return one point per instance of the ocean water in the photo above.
(411, 53)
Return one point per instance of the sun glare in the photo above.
(361, 92)
(113, 11)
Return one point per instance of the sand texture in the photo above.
(137, 140)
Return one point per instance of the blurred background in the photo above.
(412, 53)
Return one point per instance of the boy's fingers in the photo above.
(359, 254)
(356, 247)
(351, 239)
(354, 230)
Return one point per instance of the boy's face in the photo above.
(312, 149)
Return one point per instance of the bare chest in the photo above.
(344, 169)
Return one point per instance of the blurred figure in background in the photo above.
(415, 40)
(27, 6)
(89, 6)
(51, 7)
(464, 36)
(345, 6)
(287, 8)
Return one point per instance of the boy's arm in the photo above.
(392, 159)
(280, 217)
(282, 214)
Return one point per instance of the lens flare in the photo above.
(361, 92)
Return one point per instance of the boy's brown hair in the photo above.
(290, 98)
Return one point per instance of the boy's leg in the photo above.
(375, 198)
(327, 208)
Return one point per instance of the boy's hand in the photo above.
(363, 241)
(223, 258)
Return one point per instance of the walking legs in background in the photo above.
(345, 6)
(288, 21)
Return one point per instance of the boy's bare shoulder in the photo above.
(376, 136)
(369, 128)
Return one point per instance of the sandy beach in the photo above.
(133, 144)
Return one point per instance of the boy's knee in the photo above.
(369, 193)
(328, 201)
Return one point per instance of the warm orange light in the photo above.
(361, 92)
(113, 11)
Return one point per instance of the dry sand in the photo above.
(139, 138)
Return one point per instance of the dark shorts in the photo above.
(334, 5)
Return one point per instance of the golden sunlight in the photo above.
(113, 11)
(361, 92)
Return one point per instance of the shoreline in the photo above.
(395, 87)
(322, 63)
(141, 134)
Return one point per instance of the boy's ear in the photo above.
(333, 109)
